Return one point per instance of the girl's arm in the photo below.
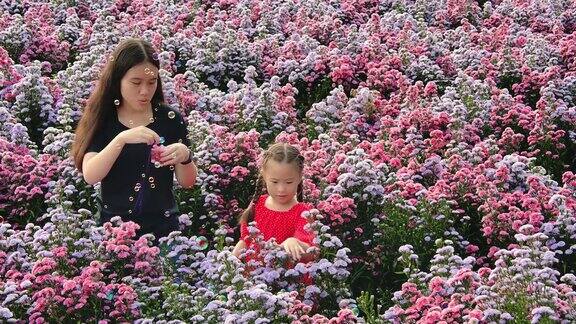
(241, 245)
(297, 249)
(307, 257)
(301, 240)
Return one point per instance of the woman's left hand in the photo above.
(174, 154)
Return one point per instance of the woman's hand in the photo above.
(174, 154)
(140, 134)
(293, 247)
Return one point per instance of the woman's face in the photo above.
(139, 85)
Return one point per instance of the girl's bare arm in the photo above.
(238, 248)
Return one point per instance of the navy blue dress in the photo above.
(135, 189)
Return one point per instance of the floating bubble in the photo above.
(131, 198)
(171, 114)
(143, 175)
(355, 311)
(130, 211)
(152, 186)
(167, 213)
(111, 57)
(172, 168)
(151, 119)
(179, 140)
(157, 164)
(106, 206)
(151, 179)
(110, 295)
(202, 242)
(155, 57)
(117, 102)
(162, 140)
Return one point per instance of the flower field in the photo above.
(440, 146)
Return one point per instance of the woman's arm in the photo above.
(186, 174)
(176, 154)
(95, 166)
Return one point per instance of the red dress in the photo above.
(279, 224)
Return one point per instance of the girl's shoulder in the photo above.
(305, 206)
(302, 207)
(261, 200)
(296, 209)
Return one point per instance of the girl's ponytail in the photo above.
(248, 214)
(300, 192)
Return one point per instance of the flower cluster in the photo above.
(522, 284)
(26, 182)
(419, 121)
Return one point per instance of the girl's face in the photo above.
(139, 85)
(282, 180)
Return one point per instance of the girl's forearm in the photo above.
(238, 248)
(306, 257)
(96, 167)
(186, 174)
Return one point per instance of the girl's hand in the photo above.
(293, 247)
(241, 245)
(140, 134)
(174, 154)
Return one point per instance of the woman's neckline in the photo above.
(278, 211)
(146, 125)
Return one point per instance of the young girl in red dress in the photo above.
(277, 205)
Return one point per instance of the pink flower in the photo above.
(436, 284)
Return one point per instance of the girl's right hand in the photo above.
(140, 134)
(292, 246)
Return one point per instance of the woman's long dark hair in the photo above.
(100, 106)
(282, 153)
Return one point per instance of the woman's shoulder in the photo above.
(166, 112)
(109, 126)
